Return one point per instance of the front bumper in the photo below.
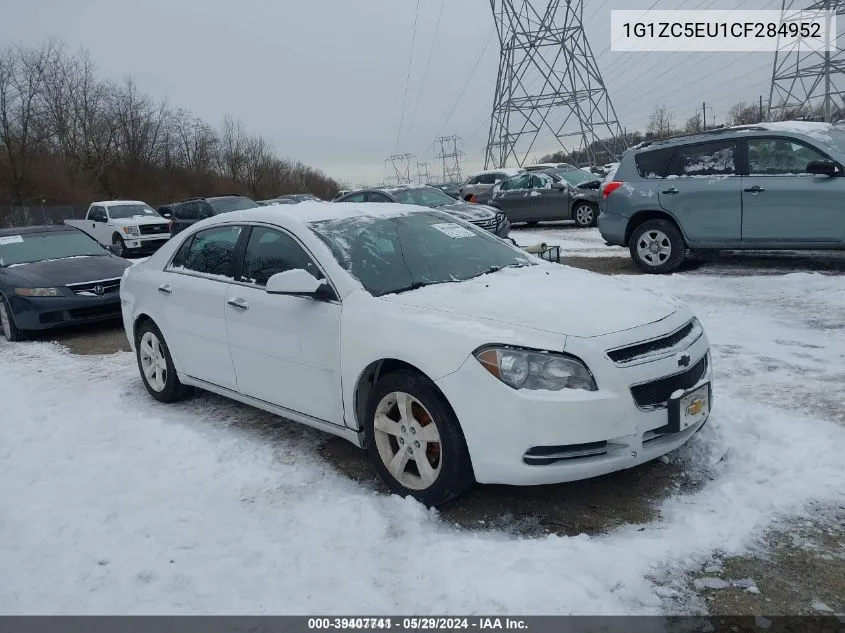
(145, 244)
(589, 433)
(44, 313)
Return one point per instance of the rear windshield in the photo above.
(654, 163)
(225, 205)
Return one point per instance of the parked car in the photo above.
(167, 210)
(537, 196)
(267, 203)
(52, 276)
(299, 197)
(489, 218)
(133, 227)
(450, 188)
(482, 182)
(765, 186)
(547, 166)
(193, 210)
(451, 355)
(340, 194)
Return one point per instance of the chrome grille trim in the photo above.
(657, 348)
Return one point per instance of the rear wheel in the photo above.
(584, 215)
(8, 328)
(120, 245)
(415, 441)
(657, 246)
(156, 365)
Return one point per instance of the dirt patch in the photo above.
(97, 338)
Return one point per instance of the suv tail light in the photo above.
(610, 187)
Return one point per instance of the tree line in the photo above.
(68, 136)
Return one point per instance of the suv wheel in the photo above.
(415, 441)
(657, 246)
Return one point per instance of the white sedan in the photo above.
(452, 356)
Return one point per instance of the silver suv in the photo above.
(767, 186)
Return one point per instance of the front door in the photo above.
(703, 191)
(512, 197)
(781, 202)
(192, 300)
(286, 349)
(546, 201)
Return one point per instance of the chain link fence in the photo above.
(13, 216)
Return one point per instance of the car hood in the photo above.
(70, 270)
(548, 297)
(469, 211)
(141, 219)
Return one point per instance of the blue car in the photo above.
(53, 276)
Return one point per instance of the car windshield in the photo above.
(126, 211)
(225, 205)
(576, 176)
(28, 248)
(423, 196)
(394, 254)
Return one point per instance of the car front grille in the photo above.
(107, 310)
(656, 393)
(665, 345)
(96, 288)
(489, 224)
(154, 229)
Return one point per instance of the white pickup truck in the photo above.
(133, 227)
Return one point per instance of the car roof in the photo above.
(314, 211)
(46, 228)
(115, 203)
(234, 195)
(817, 130)
(508, 171)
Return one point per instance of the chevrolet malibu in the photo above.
(452, 356)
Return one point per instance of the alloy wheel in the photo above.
(153, 362)
(407, 440)
(5, 323)
(654, 247)
(584, 215)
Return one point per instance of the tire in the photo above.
(116, 240)
(585, 215)
(449, 471)
(657, 247)
(8, 329)
(164, 386)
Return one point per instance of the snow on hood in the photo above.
(70, 270)
(548, 297)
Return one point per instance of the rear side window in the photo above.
(210, 252)
(185, 211)
(717, 158)
(654, 163)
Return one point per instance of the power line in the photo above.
(408, 78)
(428, 62)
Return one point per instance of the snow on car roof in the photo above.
(314, 211)
(115, 203)
(508, 171)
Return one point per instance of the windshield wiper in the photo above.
(417, 285)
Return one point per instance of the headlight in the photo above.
(134, 231)
(38, 292)
(527, 369)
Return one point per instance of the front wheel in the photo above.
(8, 328)
(156, 365)
(657, 246)
(120, 245)
(415, 441)
(584, 215)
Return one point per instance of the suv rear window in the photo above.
(654, 163)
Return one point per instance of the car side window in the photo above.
(269, 252)
(204, 210)
(520, 182)
(654, 163)
(185, 211)
(541, 182)
(487, 179)
(98, 214)
(210, 252)
(717, 158)
(474, 180)
(779, 157)
(374, 196)
(355, 197)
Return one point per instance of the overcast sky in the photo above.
(324, 80)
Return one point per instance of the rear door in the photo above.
(782, 202)
(546, 202)
(512, 197)
(703, 190)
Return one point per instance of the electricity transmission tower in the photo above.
(423, 173)
(548, 83)
(450, 154)
(400, 165)
(800, 79)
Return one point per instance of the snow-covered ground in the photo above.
(573, 242)
(112, 503)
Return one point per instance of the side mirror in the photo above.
(821, 167)
(298, 282)
(559, 186)
(167, 216)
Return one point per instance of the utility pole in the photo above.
(801, 78)
(703, 116)
(450, 155)
(548, 83)
(762, 118)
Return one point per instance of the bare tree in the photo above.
(744, 114)
(693, 124)
(660, 122)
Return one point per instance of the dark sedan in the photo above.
(51, 276)
(543, 196)
(480, 215)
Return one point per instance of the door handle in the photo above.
(238, 303)
(165, 288)
(671, 191)
(754, 189)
